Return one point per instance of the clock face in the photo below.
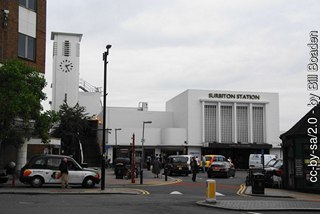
(66, 66)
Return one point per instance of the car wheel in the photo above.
(37, 181)
(88, 182)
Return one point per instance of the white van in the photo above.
(255, 160)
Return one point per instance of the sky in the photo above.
(161, 48)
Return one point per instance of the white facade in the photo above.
(201, 119)
(65, 81)
(188, 108)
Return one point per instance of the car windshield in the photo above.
(178, 160)
(271, 162)
(208, 158)
(278, 164)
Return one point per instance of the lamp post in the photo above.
(103, 159)
(116, 140)
(142, 155)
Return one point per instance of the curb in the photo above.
(125, 191)
(219, 205)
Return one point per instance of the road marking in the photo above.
(219, 194)
(179, 193)
(143, 192)
(253, 213)
(242, 190)
(175, 193)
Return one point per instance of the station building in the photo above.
(199, 122)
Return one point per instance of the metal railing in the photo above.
(87, 87)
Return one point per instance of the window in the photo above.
(242, 124)
(29, 4)
(257, 124)
(27, 47)
(210, 123)
(39, 163)
(226, 124)
(53, 163)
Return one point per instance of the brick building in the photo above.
(23, 37)
(23, 31)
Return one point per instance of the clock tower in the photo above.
(65, 69)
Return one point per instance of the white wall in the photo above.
(173, 136)
(91, 101)
(128, 118)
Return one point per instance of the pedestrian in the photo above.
(156, 168)
(198, 162)
(194, 168)
(203, 163)
(63, 167)
(148, 163)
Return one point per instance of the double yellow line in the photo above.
(143, 192)
(242, 189)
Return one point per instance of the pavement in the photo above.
(273, 199)
(112, 186)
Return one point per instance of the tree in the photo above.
(20, 97)
(73, 126)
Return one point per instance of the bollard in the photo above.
(166, 173)
(211, 191)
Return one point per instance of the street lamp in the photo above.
(142, 155)
(116, 140)
(103, 159)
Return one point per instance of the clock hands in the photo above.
(69, 67)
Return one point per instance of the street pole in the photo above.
(116, 140)
(103, 155)
(142, 155)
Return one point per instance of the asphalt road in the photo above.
(175, 198)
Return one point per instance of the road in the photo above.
(175, 198)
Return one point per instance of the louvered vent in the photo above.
(55, 48)
(66, 48)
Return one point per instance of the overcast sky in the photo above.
(161, 48)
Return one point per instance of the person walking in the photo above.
(63, 167)
(194, 168)
(203, 164)
(156, 167)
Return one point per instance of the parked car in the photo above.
(3, 176)
(221, 169)
(272, 171)
(212, 158)
(44, 169)
(178, 164)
